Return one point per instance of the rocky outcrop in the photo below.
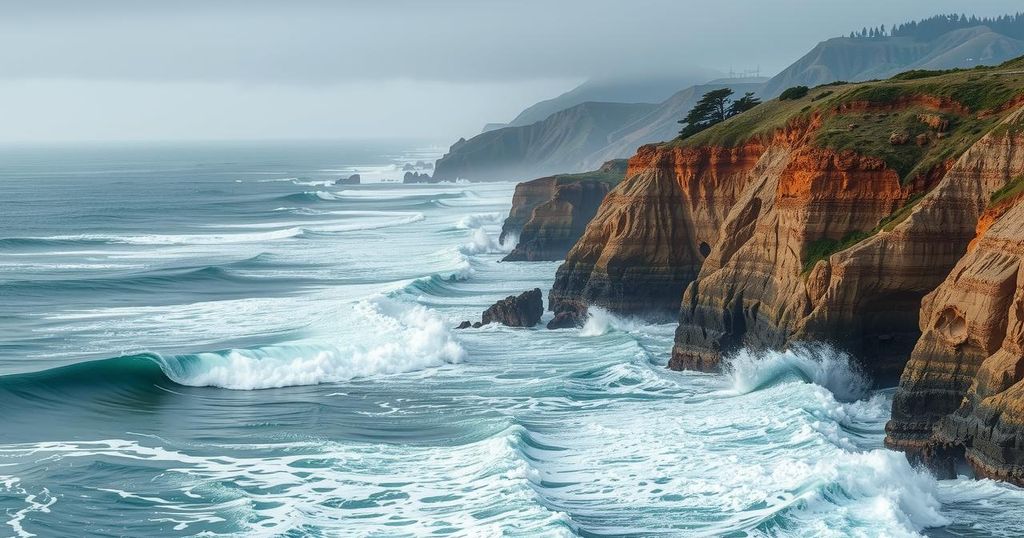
(652, 232)
(354, 179)
(416, 177)
(550, 214)
(962, 393)
(524, 310)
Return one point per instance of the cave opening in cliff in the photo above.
(705, 249)
(888, 333)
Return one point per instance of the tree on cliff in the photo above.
(714, 107)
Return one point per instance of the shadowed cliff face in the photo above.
(961, 393)
(550, 214)
(652, 232)
(764, 288)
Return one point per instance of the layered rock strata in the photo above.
(653, 231)
(549, 214)
(962, 392)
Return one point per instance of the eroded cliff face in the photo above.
(554, 226)
(764, 288)
(652, 232)
(961, 394)
(550, 214)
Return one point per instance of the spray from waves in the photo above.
(404, 339)
(601, 322)
(819, 364)
(478, 220)
(877, 491)
(482, 242)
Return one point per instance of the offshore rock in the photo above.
(524, 310)
(354, 179)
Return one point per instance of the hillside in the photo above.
(662, 123)
(573, 140)
(858, 59)
(558, 144)
(631, 89)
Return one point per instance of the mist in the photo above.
(191, 70)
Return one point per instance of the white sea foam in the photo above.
(400, 338)
(477, 220)
(600, 322)
(819, 364)
(229, 238)
(482, 242)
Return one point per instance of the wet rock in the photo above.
(568, 317)
(464, 325)
(354, 179)
(524, 310)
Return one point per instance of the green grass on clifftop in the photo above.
(610, 172)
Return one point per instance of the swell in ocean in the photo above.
(276, 356)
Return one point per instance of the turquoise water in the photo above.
(216, 340)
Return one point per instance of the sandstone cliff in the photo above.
(804, 219)
(550, 214)
(962, 393)
(654, 230)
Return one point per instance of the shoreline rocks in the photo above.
(524, 310)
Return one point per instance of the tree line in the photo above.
(933, 27)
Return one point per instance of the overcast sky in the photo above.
(191, 69)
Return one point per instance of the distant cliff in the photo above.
(574, 140)
(859, 59)
(559, 144)
(842, 216)
(620, 89)
(550, 214)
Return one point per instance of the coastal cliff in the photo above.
(654, 230)
(962, 393)
(827, 217)
(884, 218)
(550, 214)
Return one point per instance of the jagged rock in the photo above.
(477, 325)
(354, 179)
(899, 138)
(464, 325)
(416, 177)
(568, 316)
(934, 122)
(524, 310)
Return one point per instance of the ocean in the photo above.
(216, 340)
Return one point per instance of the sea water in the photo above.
(216, 340)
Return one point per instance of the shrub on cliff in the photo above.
(794, 93)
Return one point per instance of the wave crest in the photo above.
(819, 364)
(406, 338)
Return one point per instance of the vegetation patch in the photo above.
(612, 172)
(1010, 190)
(796, 92)
(821, 249)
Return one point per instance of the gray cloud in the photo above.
(451, 40)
